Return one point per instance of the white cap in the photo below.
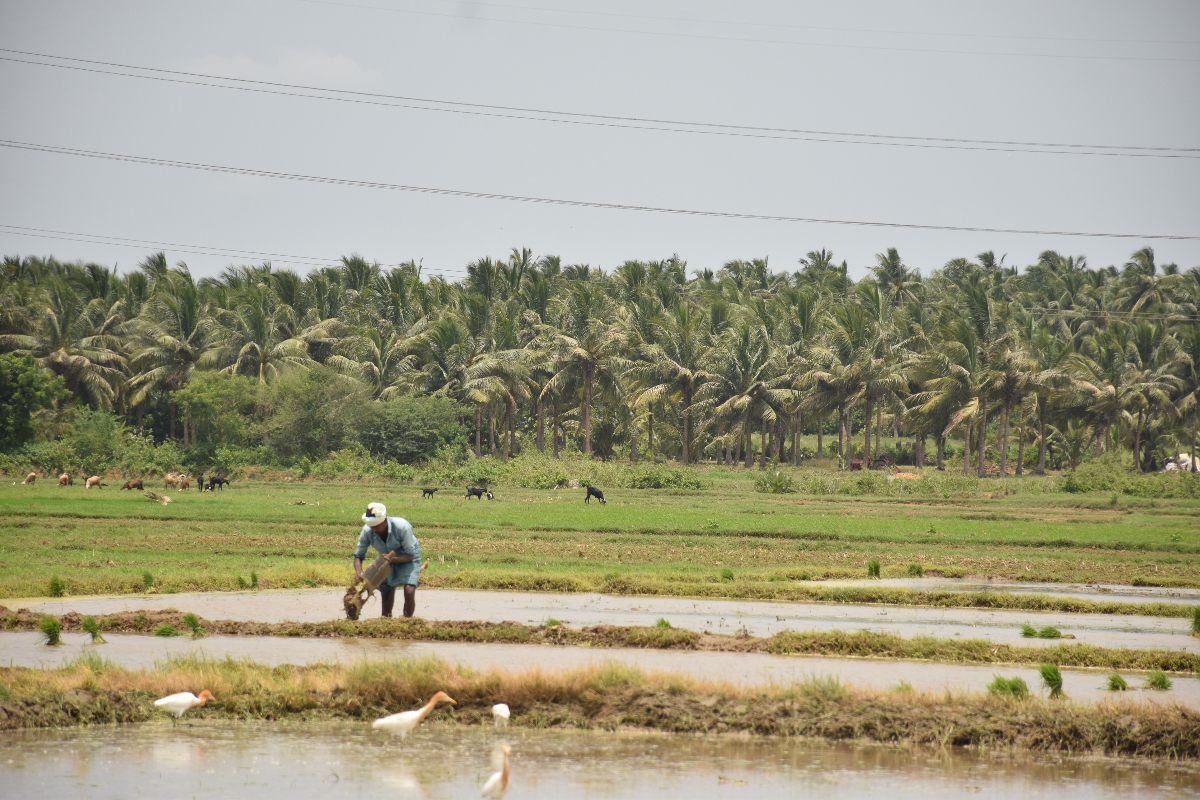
(376, 513)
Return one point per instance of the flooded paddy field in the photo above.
(443, 761)
(24, 649)
(756, 618)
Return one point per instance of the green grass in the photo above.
(664, 541)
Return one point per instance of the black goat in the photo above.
(214, 482)
(592, 491)
(427, 493)
(478, 493)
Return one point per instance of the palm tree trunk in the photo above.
(762, 440)
(687, 402)
(919, 449)
(867, 432)
(967, 451)
(796, 438)
(820, 437)
(587, 411)
(541, 427)
(1021, 448)
(172, 417)
(1004, 441)
(878, 425)
(1041, 465)
(478, 430)
(748, 435)
(492, 428)
(982, 434)
(141, 414)
(554, 426)
(1195, 467)
(633, 440)
(842, 461)
(737, 449)
(650, 436)
(941, 453)
(1137, 444)
(505, 431)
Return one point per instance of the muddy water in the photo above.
(747, 669)
(718, 616)
(1117, 593)
(440, 761)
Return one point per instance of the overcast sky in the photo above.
(1063, 72)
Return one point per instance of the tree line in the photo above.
(1014, 366)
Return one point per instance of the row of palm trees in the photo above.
(1061, 357)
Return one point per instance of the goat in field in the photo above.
(592, 491)
(427, 493)
(214, 483)
(94, 481)
(65, 480)
(478, 493)
(133, 485)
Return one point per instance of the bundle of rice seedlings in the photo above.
(1052, 679)
(1014, 687)
(916, 571)
(662, 623)
(1048, 632)
(1116, 683)
(51, 630)
(147, 580)
(1157, 679)
(92, 627)
(193, 622)
(166, 630)
(1196, 621)
(872, 569)
(57, 587)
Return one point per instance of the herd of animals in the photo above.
(174, 480)
(401, 725)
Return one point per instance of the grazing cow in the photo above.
(65, 480)
(184, 484)
(592, 491)
(427, 493)
(478, 493)
(214, 483)
(133, 485)
(173, 480)
(94, 481)
(29, 479)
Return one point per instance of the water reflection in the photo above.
(441, 761)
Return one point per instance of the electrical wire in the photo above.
(709, 37)
(600, 120)
(163, 162)
(775, 25)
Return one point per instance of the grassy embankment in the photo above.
(860, 644)
(724, 541)
(612, 697)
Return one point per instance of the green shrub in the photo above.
(1012, 687)
(726, 574)
(51, 630)
(1116, 683)
(774, 482)
(412, 429)
(872, 569)
(57, 587)
(916, 571)
(166, 630)
(90, 626)
(1052, 679)
(1157, 679)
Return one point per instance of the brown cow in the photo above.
(184, 483)
(133, 485)
(94, 481)
(29, 479)
(65, 480)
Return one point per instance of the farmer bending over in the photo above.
(392, 538)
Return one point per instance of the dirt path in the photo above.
(717, 616)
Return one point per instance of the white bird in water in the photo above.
(500, 714)
(177, 704)
(497, 785)
(404, 722)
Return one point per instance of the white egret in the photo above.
(404, 722)
(500, 714)
(497, 785)
(177, 704)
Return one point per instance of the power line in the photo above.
(708, 37)
(162, 162)
(599, 120)
(195, 249)
(775, 25)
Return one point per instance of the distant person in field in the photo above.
(394, 536)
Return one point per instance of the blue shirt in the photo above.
(401, 541)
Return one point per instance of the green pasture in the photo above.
(728, 538)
